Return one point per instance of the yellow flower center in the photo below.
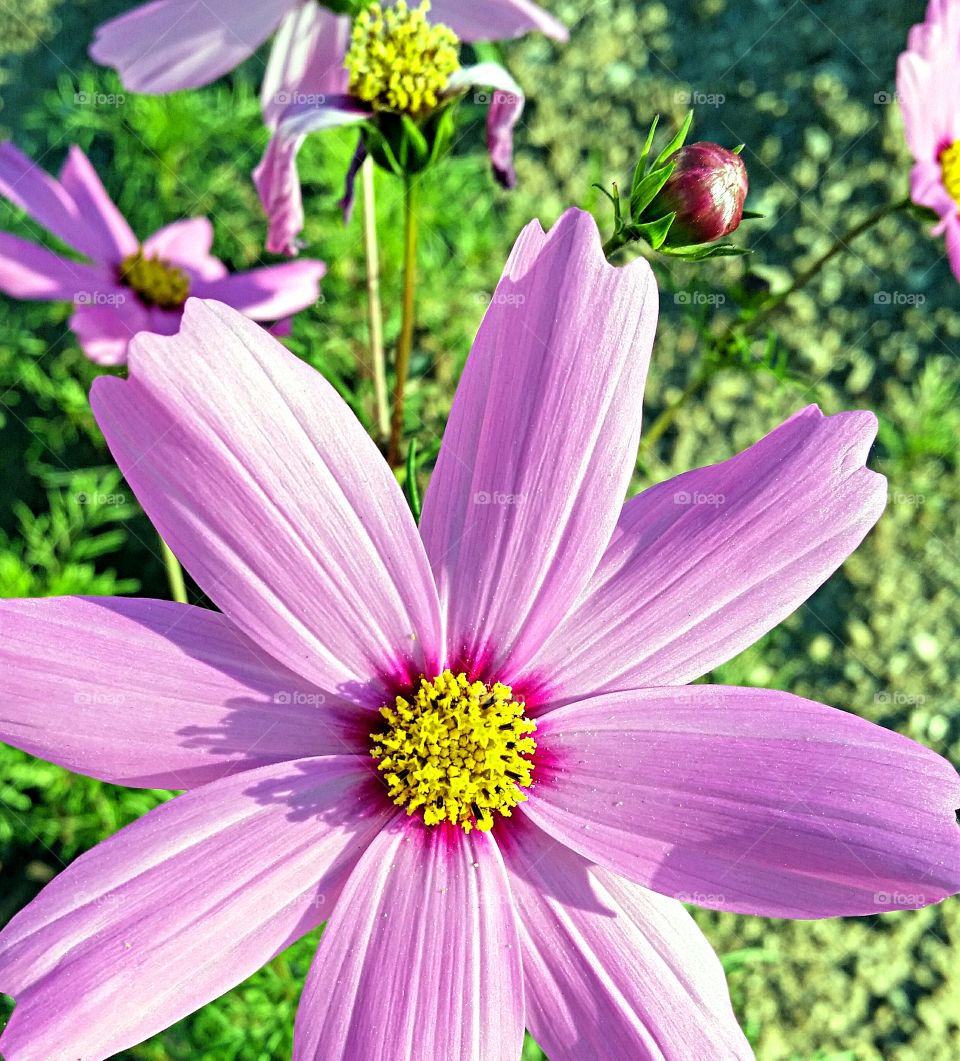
(458, 749)
(398, 62)
(950, 167)
(157, 282)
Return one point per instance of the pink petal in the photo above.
(269, 293)
(610, 969)
(150, 693)
(35, 192)
(495, 20)
(182, 905)
(704, 564)
(749, 800)
(503, 113)
(306, 58)
(173, 44)
(421, 958)
(276, 178)
(187, 243)
(29, 271)
(81, 182)
(104, 331)
(540, 444)
(276, 500)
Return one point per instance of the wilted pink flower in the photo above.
(928, 84)
(127, 287)
(174, 44)
(445, 941)
(318, 97)
(707, 190)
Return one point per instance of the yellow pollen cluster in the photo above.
(950, 167)
(398, 61)
(459, 750)
(157, 282)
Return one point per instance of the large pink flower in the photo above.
(928, 85)
(174, 44)
(125, 287)
(444, 942)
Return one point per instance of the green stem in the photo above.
(178, 588)
(741, 328)
(802, 279)
(405, 343)
(378, 361)
(652, 435)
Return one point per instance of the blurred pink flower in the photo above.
(175, 44)
(928, 85)
(125, 287)
(527, 570)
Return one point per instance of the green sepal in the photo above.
(676, 143)
(701, 253)
(646, 191)
(751, 215)
(654, 232)
(640, 171)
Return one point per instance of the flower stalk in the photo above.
(178, 588)
(411, 195)
(378, 361)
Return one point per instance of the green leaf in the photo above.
(410, 488)
(677, 142)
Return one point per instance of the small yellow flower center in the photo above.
(157, 282)
(458, 750)
(950, 167)
(398, 62)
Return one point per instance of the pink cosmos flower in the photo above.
(928, 82)
(124, 287)
(312, 94)
(169, 45)
(533, 629)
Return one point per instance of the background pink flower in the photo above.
(928, 87)
(174, 44)
(124, 287)
(528, 569)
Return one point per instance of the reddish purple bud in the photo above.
(707, 190)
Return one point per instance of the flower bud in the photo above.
(706, 190)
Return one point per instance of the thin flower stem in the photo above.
(741, 328)
(802, 279)
(378, 359)
(405, 344)
(665, 419)
(178, 588)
